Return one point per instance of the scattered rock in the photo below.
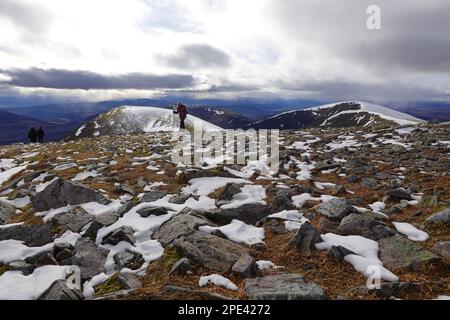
(42, 259)
(440, 217)
(190, 294)
(248, 213)
(7, 211)
(339, 252)
(22, 266)
(306, 238)
(276, 227)
(335, 208)
(245, 267)
(121, 187)
(283, 287)
(60, 291)
(73, 220)
(400, 193)
(358, 224)
(128, 259)
(442, 248)
(61, 193)
(145, 212)
(206, 249)
(369, 183)
(179, 199)
(182, 266)
(125, 208)
(397, 253)
(89, 258)
(229, 191)
(152, 196)
(281, 202)
(31, 235)
(124, 233)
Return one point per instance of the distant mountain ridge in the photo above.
(341, 114)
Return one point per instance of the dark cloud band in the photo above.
(67, 79)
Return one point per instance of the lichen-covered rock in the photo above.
(396, 253)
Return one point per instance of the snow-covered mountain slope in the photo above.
(137, 119)
(341, 114)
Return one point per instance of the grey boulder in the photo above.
(73, 220)
(306, 238)
(31, 235)
(61, 193)
(249, 213)
(284, 286)
(89, 258)
(440, 217)
(397, 252)
(203, 248)
(335, 208)
(7, 211)
(60, 291)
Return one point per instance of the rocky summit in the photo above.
(345, 204)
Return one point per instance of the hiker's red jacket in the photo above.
(182, 111)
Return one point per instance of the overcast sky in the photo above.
(312, 49)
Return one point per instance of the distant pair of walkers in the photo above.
(36, 135)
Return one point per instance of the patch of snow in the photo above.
(217, 280)
(207, 185)
(249, 194)
(9, 173)
(238, 231)
(41, 187)
(65, 166)
(365, 257)
(264, 264)
(16, 286)
(410, 231)
(84, 175)
(14, 250)
(18, 202)
(80, 130)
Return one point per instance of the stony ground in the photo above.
(345, 205)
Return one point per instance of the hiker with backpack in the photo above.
(182, 112)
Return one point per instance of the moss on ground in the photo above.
(109, 286)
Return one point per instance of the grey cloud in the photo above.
(28, 17)
(350, 90)
(197, 56)
(66, 79)
(414, 34)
